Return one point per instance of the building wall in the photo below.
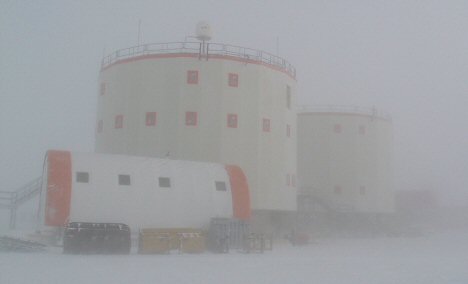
(141, 201)
(345, 161)
(161, 85)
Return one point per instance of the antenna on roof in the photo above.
(203, 33)
(139, 31)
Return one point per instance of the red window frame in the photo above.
(266, 125)
(337, 128)
(151, 118)
(192, 77)
(191, 118)
(233, 80)
(119, 121)
(232, 121)
(362, 130)
(362, 190)
(338, 190)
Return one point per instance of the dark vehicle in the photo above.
(99, 238)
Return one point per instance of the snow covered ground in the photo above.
(439, 258)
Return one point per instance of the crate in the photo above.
(227, 233)
(163, 240)
(103, 238)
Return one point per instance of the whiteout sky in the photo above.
(409, 58)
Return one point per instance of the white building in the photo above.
(345, 158)
(215, 103)
(140, 192)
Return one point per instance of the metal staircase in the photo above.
(13, 199)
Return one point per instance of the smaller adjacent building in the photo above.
(140, 192)
(345, 160)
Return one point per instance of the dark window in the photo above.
(220, 185)
(164, 182)
(124, 179)
(100, 126)
(102, 90)
(82, 177)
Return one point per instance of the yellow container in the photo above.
(163, 240)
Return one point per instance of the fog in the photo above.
(405, 57)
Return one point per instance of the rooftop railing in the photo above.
(369, 111)
(197, 48)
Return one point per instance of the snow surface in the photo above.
(439, 258)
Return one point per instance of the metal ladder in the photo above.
(13, 199)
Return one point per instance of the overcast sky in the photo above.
(408, 58)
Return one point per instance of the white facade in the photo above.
(227, 107)
(140, 192)
(345, 158)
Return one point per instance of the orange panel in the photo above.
(240, 193)
(59, 183)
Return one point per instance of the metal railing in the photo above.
(369, 111)
(13, 199)
(6, 199)
(197, 48)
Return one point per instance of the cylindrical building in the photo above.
(204, 102)
(345, 159)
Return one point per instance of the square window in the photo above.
(82, 177)
(119, 121)
(232, 120)
(362, 190)
(151, 118)
(191, 118)
(337, 189)
(233, 80)
(164, 182)
(337, 128)
(102, 89)
(100, 126)
(362, 129)
(124, 179)
(266, 125)
(288, 130)
(220, 186)
(192, 77)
